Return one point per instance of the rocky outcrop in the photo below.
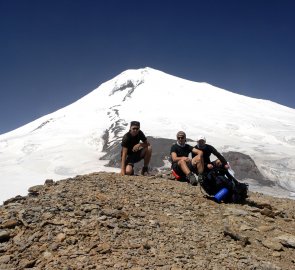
(105, 221)
(245, 167)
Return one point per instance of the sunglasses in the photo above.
(135, 128)
(180, 138)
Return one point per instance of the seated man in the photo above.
(207, 150)
(133, 150)
(181, 163)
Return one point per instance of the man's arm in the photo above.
(123, 160)
(175, 158)
(197, 151)
(138, 146)
(220, 157)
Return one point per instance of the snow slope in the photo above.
(69, 141)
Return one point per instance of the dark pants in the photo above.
(134, 157)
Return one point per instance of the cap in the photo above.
(135, 123)
(180, 133)
(201, 138)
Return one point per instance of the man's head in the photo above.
(201, 141)
(181, 137)
(134, 127)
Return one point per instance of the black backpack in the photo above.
(217, 178)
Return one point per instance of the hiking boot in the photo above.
(145, 170)
(191, 178)
(201, 178)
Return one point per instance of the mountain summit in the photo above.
(106, 221)
(71, 140)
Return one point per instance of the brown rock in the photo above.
(5, 259)
(16, 199)
(245, 227)
(267, 212)
(272, 244)
(276, 254)
(25, 263)
(60, 237)
(4, 236)
(175, 267)
(10, 224)
(49, 182)
(47, 255)
(103, 248)
(265, 228)
(35, 190)
(287, 240)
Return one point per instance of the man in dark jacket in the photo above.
(182, 164)
(207, 150)
(135, 147)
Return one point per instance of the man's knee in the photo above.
(129, 170)
(147, 149)
(196, 159)
(181, 163)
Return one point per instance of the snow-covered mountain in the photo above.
(70, 141)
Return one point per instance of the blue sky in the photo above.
(53, 52)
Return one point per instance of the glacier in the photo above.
(70, 141)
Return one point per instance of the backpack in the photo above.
(216, 179)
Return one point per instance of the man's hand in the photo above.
(210, 166)
(136, 147)
(186, 159)
(226, 166)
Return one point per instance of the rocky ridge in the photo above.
(106, 221)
